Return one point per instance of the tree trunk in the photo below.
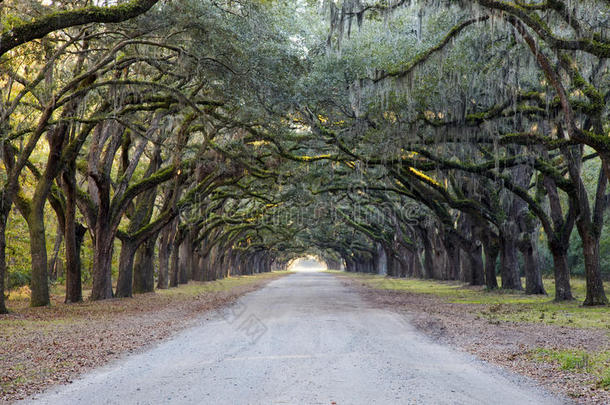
(3, 219)
(452, 264)
(381, 262)
(52, 265)
(589, 224)
(74, 235)
(144, 267)
(349, 264)
(428, 256)
(202, 268)
(476, 264)
(73, 238)
(124, 286)
(175, 265)
(563, 291)
(439, 269)
(510, 265)
(102, 261)
(164, 255)
(533, 277)
(491, 257)
(558, 238)
(416, 265)
(390, 263)
(38, 250)
(595, 285)
(185, 261)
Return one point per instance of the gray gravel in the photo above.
(303, 339)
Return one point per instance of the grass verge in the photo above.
(581, 361)
(503, 305)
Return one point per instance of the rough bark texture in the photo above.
(38, 251)
(185, 261)
(452, 268)
(102, 263)
(491, 257)
(563, 290)
(165, 247)
(175, 262)
(533, 276)
(3, 219)
(124, 286)
(428, 255)
(73, 237)
(55, 269)
(510, 265)
(144, 267)
(559, 240)
(74, 287)
(595, 286)
(476, 263)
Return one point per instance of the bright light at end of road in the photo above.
(306, 264)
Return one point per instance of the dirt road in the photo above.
(303, 339)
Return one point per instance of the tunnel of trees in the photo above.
(147, 143)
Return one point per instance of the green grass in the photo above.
(604, 381)
(503, 305)
(597, 364)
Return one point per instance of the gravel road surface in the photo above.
(303, 339)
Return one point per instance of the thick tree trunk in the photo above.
(72, 231)
(124, 286)
(491, 256)
(563, 291)
(439, 268)
(533, 276)
(406, 269)
(164, 255)
(589, 224)
(465, 274)
(349, 265)
(74, 236)
(428, 257)
(197, 267)
(595, 286)
(174, 274)
(452, 268)
(476, 264)
(3, 219)
(52, 264)
(185, 261)
(202, 268)
(510, 265)
(390, 263)
(418, 270)
(102, 262)
(38, 249)
(144, 267)
(381, 261)
(559, 239)
(208, 267)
